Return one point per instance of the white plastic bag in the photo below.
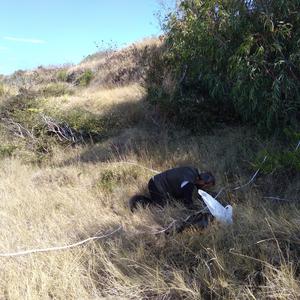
(221, 213)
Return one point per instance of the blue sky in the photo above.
(54, 32)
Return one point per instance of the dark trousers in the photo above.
(157, 198)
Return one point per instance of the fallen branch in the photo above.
(26, 252)
(17, 129)
(62, 130)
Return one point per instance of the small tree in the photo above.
(235, 58)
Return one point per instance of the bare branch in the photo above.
(252, 178)
(26, 252)
(277, 198)
(17, 129)
(62, 130)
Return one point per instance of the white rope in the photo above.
(31, 251)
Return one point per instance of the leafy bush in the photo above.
(21, 118)
(240, 56)
(85, 78)
(62, 75)
(82, 121)
(285, 159)
(7, 150)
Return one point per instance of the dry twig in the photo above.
(62, 130)
(26, 252)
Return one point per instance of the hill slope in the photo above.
(60, 188)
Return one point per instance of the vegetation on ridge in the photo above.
(232, 59)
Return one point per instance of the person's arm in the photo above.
(187, 190)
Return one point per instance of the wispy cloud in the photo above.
(2, 48)
(24, 40)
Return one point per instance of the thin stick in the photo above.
(164, 229)
(26, 252)
(252, 178)
(220, 192)
(277, 198)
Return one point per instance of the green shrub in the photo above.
(284, 158)
(240, 56)
(81, 120)
(85, 78)
(7, 150)
(62, 75)
(21, 117)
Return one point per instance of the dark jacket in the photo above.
(169, 183)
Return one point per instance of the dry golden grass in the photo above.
(98, 100)
(50, 206)
(114, 60)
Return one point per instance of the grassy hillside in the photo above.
(58, 189)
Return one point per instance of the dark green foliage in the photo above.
(231, 59)
(266, 66)
(286, 159)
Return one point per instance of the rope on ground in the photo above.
(31, 251)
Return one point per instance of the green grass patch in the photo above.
(62, 75)
(56, 90)
(85, 78)
(111, 178)
(6, 150)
